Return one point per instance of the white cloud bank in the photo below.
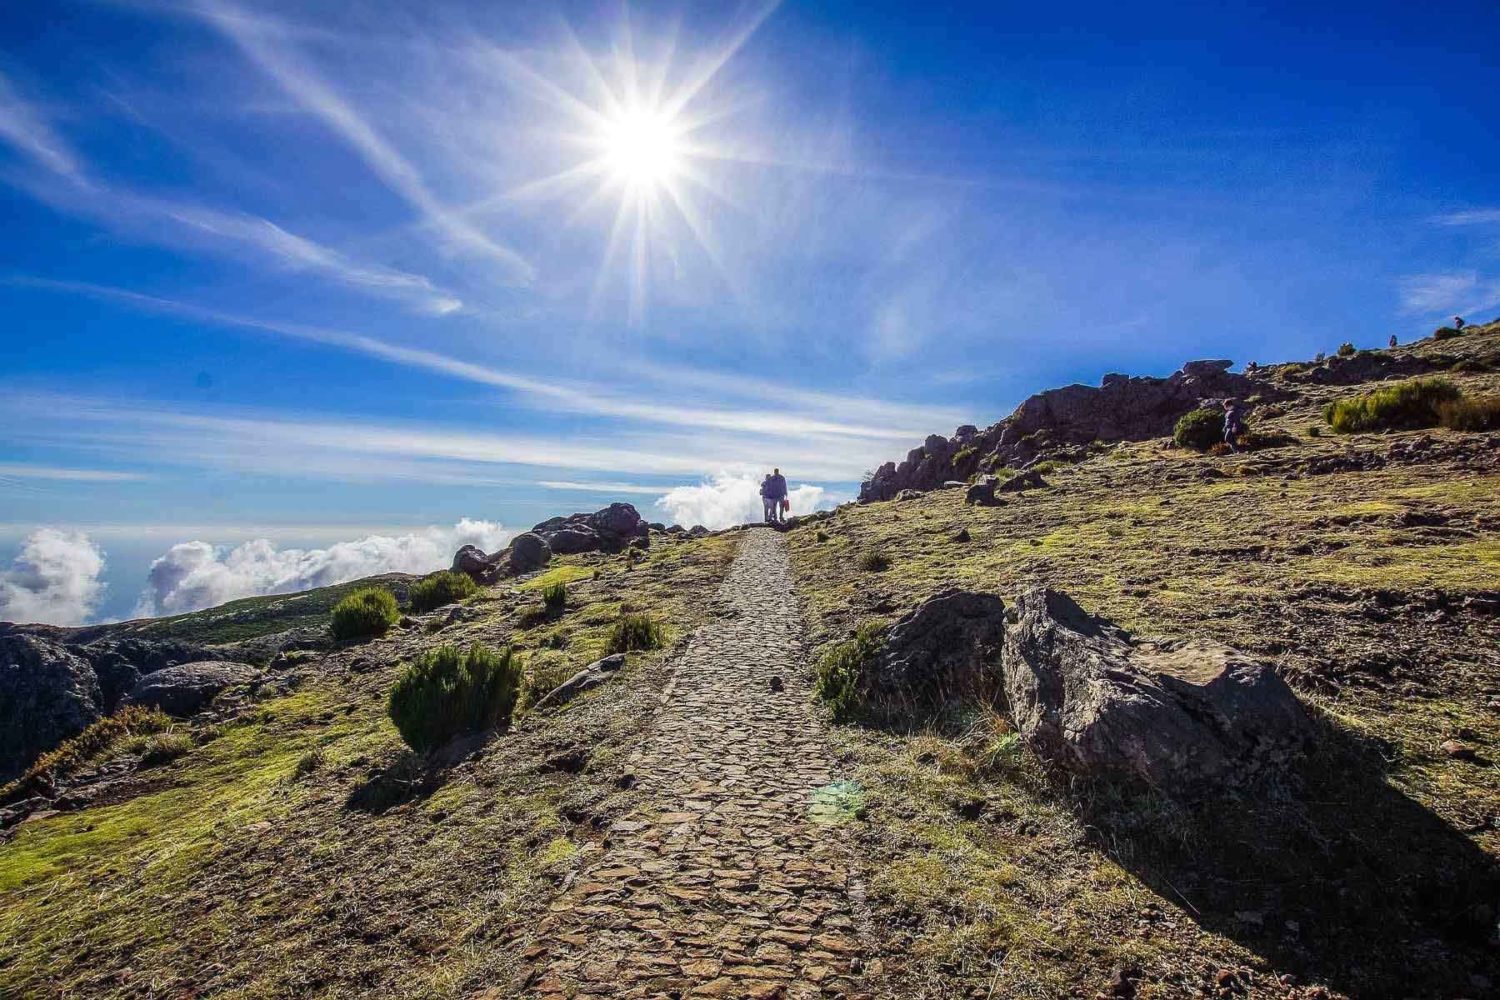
(194, 575)
(727, 499)
(54, 579)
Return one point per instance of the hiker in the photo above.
(777, 495)
(767, 504)
(1393, 340)
(1234, 423)
(1458, 323)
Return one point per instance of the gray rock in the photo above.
(591, 676)
(1177, 716)
(1202, 368)
(572, 539)
(527, 552)
(188, 687)
(944, 649)
(1031, 480)
(908, 495)
(47, 694)
(471, 560)
(982, 493)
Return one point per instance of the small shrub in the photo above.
(1446, 333)
(1403, 406)
(840, 672)
(1346, 350)
(367, 612)
(1319, 358)
(101, 735)
(448, 691)
(555, 597)
(313, 760)
(1471, 413)
(438, 589)
(873, 561)
(1314, 431)
(1199, 429)
(963, 454)
(634, 632)
(544, 672)
(165, 747)
(1218, 448)
(821, 536)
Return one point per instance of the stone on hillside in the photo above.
(572, 539)
(471, 560)
(946, 648)
(1029, 480)
(188, 687)
(1206, 368)
(982, 493)
(47, 694)
(527, 552)
(1175, 715)
(697, 531)
(908, 495)
(961, 535)
(591, 676)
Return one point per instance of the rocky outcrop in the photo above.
(1057, 422)
(47, 694)
(982, 493)
(946, 648)
(188, 687)
(1177, 716)
(608, 530)
(526, 553)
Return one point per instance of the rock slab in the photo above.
(189, 687)
(1174, 715)
(947, 647)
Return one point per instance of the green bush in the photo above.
(165, 747)
(1199, 429)
(1471, 413)
(873, 561)
(366, 612)
(1346, 350)
(555, 597)
(438, 589)
(840, 672)
(309, 762)
(633, 632)
(1403, 406)
(1446, 333)
(448, 691)
(1314, 431)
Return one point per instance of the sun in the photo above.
(642, 149)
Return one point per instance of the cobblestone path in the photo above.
(719, 885)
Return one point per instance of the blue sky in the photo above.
(319, 273)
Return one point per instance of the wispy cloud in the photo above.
(66, 184)
(23, 128)
(1470, 217)
(260, 41)
(11, 470)
(819, 420)
(1456, 292)
(611, 489)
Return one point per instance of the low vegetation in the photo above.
(634, 632)
(438, 589)
(555, 597)
(1471, 413)
(1446, 333)
(370, 611)
(1199, 429)
(102, 736)
(873, 561)
(1408, 405)
(162, 748)
(1347, 350)
(839, 678)
(447, 692)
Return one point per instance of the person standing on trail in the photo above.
(767, 504)
(777, 494)
(1234, 423)
(1458, 323)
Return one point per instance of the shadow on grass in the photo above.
(410, 776)
(1330, 873)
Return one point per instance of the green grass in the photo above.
(447, 692)
(250, 617)
(839, 677)
(368, 612)
(635, 632)
(1471, 413)
(438, 589)
(873, 561)
(1406, 405)
(102, 736)
(555, 597)
(1199, 429)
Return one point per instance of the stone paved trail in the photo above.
(719, 885)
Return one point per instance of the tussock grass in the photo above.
(447, 691)
(368, 612)
(1471, 413)
(635, 631)
(1404, 406)
(840, 673)
(94, 742)
(438, 589)
(873, 561)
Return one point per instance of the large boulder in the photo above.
(188, 687)
(1176, 715)
(528, 551)
(471, 560)
(982, 493)
(47, 694)
(946, 648)
(573, 538)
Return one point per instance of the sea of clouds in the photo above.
(57, 575)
